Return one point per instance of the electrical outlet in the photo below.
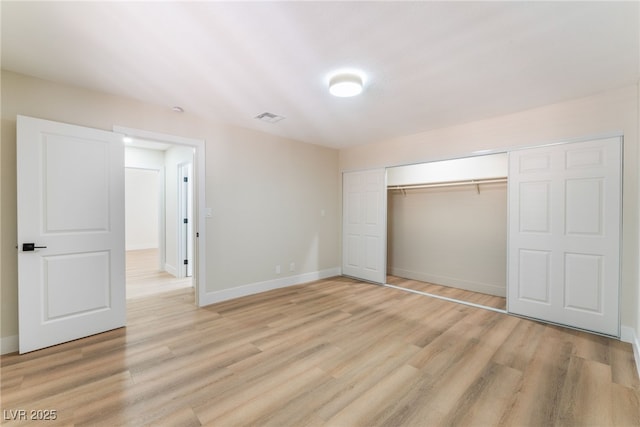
(292, 266)
(278, 269)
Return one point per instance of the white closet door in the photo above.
(564, 234)
(364, 231)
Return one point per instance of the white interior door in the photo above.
(564, 234)
(185, 202)
(364, 230)
(71, 208)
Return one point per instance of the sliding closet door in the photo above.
(364, 229)
(564, 234)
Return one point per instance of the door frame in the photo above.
(199, 201)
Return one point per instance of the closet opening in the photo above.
(447, 229)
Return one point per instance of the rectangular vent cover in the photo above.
(269, 117)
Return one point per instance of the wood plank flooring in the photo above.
(144, 277)
(450, 292)
(336, 352)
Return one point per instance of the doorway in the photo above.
(72, 270)
(158, 205)
(196, 148)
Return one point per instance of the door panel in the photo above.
(584, 285)
(364, 225)
(70, 202)
(534, 214)
(564, 234)
(76, 184)
(585, 203)
(535, 271)
(85, 276)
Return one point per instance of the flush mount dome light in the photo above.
(345, 85)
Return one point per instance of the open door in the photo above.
(564, 234)
(364, 229)
(185, 232)
(71, 261)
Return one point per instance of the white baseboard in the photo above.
(629, 335)
(485, 288)
(258, 287)
(141, 247)
(9, 344)
(171, 270)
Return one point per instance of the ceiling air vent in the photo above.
(269, 117)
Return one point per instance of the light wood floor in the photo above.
(145, 278)
(450, 292)
(331, 353)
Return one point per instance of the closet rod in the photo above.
(449, 184)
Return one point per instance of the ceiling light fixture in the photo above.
(345, 85)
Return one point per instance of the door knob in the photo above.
(28, 247)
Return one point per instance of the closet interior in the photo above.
(447, 228)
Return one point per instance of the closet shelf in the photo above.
(476, 182)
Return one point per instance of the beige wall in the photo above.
(612, 111)
(142, 200)
(8, 253)
(453, 236)
(266, 192)
(142, 216)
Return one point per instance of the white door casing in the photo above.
(364, 231)
(200, 211)
(71, 202)
(564, 234)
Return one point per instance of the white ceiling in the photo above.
(428, 64)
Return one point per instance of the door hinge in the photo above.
(185, 179)
(185, 221)
(186, 262)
